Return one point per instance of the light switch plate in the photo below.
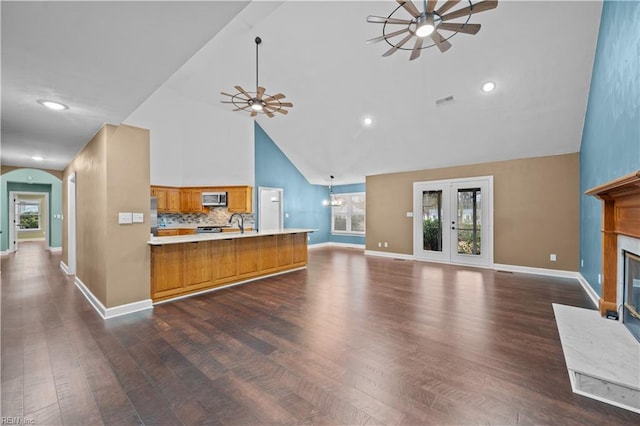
(138, 217)
(409, 214)
(125, 218)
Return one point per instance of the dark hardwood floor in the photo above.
(350, 340)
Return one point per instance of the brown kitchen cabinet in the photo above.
(191, 200)
(168, 232)
(189, 267)
(168, 198)
(186, 231)
(239, 199)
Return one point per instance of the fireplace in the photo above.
(620, 235)
(631, 293)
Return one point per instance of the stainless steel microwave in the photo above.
(214, 199)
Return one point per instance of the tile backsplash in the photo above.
(216, 216)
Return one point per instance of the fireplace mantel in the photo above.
(620, 216)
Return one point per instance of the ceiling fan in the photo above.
(258, 101)
(428, 22)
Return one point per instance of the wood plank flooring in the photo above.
(350, 340)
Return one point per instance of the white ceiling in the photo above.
(540, 54)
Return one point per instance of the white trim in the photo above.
(26, 240)
(116, 311)
(389, 255)
(55, 249)
(319, 245)
(65, 268)
(595, 298)
(209, 290)
(347, 245)
(537, 271)
(4, 252)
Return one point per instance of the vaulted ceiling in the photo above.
(106, 58)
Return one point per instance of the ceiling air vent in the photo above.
(444, 101)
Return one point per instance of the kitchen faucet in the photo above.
(240, 221)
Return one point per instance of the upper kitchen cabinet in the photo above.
(239, 199)
(191, 200)
(168, 198)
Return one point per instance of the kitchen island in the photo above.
(186, 264)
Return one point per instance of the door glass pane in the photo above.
(432, 220)
(469, 221)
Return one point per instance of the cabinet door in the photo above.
(185, 231)
(226, 261)
(161, 198)
(300, 248)
(247, 249)
(173, 200)
(285, 250)
(198, 265)
(167, 232)
(239, 199)
(166, 270)
(268, 253)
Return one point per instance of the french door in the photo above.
(452, 221)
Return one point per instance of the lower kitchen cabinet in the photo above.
(166, 274)
(183, 268)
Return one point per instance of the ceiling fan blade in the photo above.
(244, 92)
(281, 104)
(382, 20)
(242, 108)
(277, 109)
(274, 97)
(431, 4)
(226, 94)
(260, 92)
(397, 46)
(448, 5)
(461, 28)
(269, 113)
(282, 111)
(410, 7)
(384, 36)
(253, 113)
(440, 41)
(415, 53)
(470, 10)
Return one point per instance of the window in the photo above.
(349, 217)
(29, 214)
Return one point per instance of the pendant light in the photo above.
(332, 201)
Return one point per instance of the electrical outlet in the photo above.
(386, 244)
(582, 263)
(379, 244)
(599, 278)
(552, 257)
(409, 214)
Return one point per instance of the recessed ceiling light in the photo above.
(489, 86)
(56, 106)
(37, 158)
(367, 121)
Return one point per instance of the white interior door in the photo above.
(453, 221)
(270, 208)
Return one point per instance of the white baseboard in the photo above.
(595, 299)
(389, 255)
(65, 268)
(55, 249)
(4, 252)
(536, 271)
(334, 244)
(116, 311)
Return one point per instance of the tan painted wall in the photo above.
(536, 209)
(28, 235)
(112, 175)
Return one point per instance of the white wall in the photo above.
(194, 143)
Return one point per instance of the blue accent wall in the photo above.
(303, 206)
(302, 201)
(611, 135)
(41, 181)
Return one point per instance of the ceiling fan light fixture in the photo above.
(256, 105)
(425, 26)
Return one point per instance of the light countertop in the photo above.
(194, 238)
